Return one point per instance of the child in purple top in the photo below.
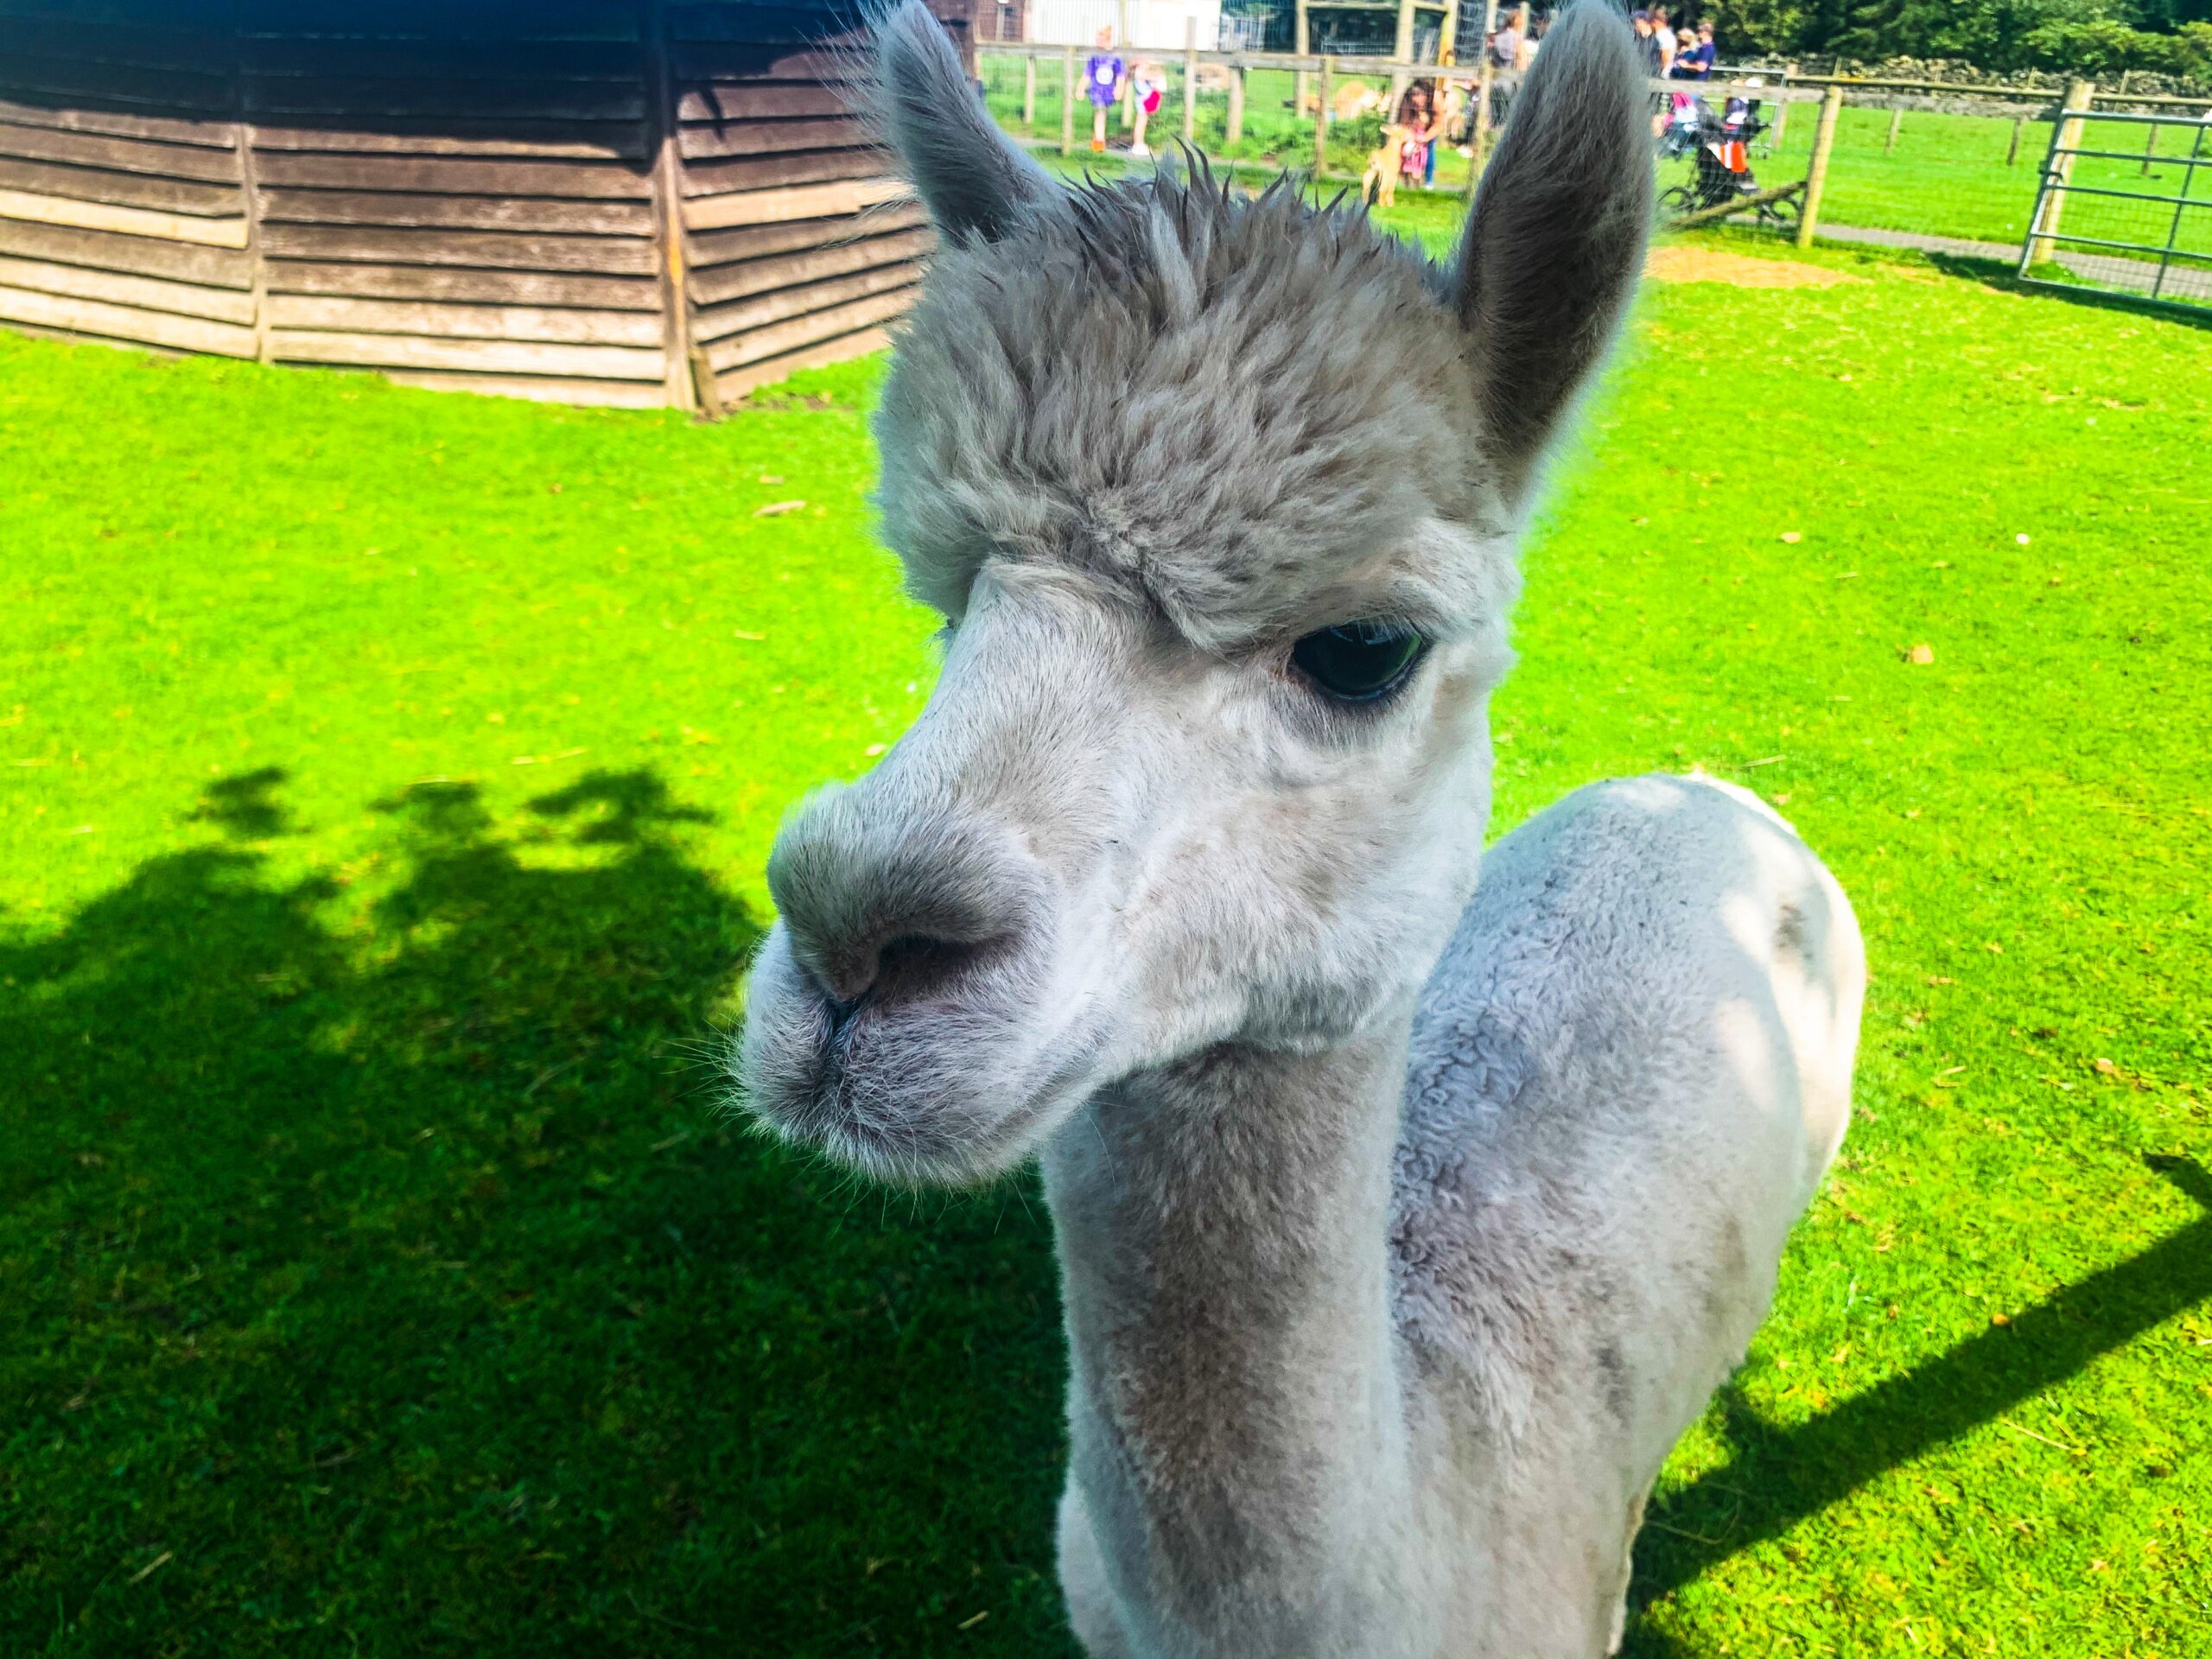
(1102, 84)
(1695, 62)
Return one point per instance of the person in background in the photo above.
(1531, 38)
(1504, 49)
(1647, 44)
(1145, 84)
(1698, 55)
(1418, 115)
(1505, 45)
(1684, 40)
(1663, 32)
(1102, 84)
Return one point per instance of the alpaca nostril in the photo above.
(914, 964)
(882, 901)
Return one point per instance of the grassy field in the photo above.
(385, 782)
(1274, 135)
(1945, 175)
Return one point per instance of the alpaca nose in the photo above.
(888, 905)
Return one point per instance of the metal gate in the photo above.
(2125, 208)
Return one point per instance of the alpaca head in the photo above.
(1218, 500)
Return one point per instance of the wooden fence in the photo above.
(645, 202)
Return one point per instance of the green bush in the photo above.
(2099, 48)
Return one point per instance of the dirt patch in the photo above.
(1681, 265)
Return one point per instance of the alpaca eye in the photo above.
(1359, 661)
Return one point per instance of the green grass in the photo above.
(1946, 175)
(385, 781)
(1274, 135)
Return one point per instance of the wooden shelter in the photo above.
(643, 202)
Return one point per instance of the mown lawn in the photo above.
(385, 782)
(1945, 175)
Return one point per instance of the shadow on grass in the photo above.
(2054, 280)
(1779, 1477)
(382, 1274)
(378, 1275)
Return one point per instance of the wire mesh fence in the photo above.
(1955, 171)
(1264, 114)
(2126, 205)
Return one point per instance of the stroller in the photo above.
(1720, 148)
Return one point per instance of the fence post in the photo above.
(2058, 168)
(1234, 135)
(1897, 121)
(1321, 120)
(1478, 134)
(1189, 80)
(1028, 92)
(1303, 42)
(2012, 154)
(2150, 149)
(687, 377)
(1403, 50)
(1067, 100)
(1817, 177)
(1781, 109)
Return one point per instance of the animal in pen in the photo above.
(1379, 184)
(1406, 1218)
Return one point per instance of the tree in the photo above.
(1991, 34)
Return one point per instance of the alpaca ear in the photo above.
(972, 178)
(1553, 248)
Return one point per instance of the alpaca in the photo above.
(1404, 1222)
(1378, 185)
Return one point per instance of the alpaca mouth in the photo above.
(932, 1090)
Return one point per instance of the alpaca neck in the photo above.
(1236, 1416)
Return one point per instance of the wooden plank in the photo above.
(760, 172)
(446, 321)
(752, 25)
(771, 99)
(768, 137)
(606, 256)
(489, 356)
(120, 190)
(214, 132)
(167, 89)
(463, 212)
(698, 67)
(842, 348)
(121, 155)
(489, 20)
(742, 316)
(148, 293)
(760, 344)
(387, 135)
(146, 255)
(142, 43)
(111, 322)
(440, 175)
(206, 14)
(355, 58)
(378, 281)
(565, 100)
(723, 283)
(132, 221)
(546, 389)
(801, 201)
(758, 241)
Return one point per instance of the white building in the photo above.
(1138, 25)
